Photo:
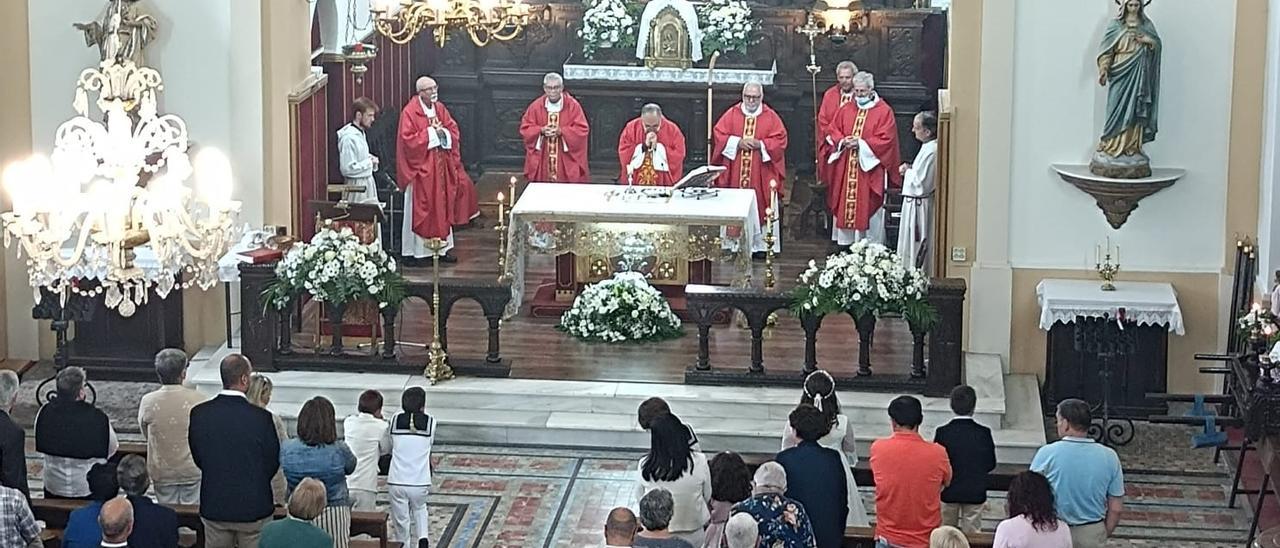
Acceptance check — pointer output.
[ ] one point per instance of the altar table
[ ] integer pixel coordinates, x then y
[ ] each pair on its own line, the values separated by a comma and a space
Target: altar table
599, 220
1151, 310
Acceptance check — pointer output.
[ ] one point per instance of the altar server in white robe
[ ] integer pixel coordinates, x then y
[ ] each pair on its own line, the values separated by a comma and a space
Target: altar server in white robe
354, 160
919, 180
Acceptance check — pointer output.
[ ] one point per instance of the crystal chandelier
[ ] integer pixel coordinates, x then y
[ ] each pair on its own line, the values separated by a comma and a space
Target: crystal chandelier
484, 20
110, 212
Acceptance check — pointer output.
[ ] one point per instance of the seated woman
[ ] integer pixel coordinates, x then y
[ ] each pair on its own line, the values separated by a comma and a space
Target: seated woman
730, 484
1033, 520
317, 453
655, 516
296, 530
783, 521
672, 465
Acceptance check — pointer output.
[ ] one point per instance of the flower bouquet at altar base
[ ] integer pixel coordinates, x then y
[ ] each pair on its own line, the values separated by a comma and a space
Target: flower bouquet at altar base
608, 24
867, 280
624, 308
1259, 323
336, 268
726, 25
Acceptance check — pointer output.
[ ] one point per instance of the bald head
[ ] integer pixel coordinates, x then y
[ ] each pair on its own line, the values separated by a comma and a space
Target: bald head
651, 117
620, 528
116, 520
427, 89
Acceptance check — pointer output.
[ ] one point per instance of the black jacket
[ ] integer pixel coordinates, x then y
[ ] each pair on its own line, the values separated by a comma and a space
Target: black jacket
815, 478
973, 455
234, 444
13, 455
154, 526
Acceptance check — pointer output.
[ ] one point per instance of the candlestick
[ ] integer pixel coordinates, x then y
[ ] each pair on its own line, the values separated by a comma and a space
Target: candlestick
437, 361
511, 195
501, 228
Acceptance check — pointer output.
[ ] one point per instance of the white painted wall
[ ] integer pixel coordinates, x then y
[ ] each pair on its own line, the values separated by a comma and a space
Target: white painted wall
209, 54
343, 22
1268, 193
1058, 115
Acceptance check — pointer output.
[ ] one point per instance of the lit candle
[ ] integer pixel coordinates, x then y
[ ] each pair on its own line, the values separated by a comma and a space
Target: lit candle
501, 203
773, 197
512, 194
1097, 254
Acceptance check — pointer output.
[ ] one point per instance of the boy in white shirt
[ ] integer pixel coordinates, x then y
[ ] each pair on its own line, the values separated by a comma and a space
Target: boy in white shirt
409, 479
369, 438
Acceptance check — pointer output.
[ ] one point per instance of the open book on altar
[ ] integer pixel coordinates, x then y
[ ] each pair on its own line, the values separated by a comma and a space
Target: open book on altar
701, 177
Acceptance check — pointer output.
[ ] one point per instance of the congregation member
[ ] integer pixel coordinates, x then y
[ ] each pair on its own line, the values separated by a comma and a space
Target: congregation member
73, 435
730, 484
259, 394
18, 526
296, 530
13, 439
820, 391
919, 178
355, 162
409, 478
1086, 477
972, 453
164, 417
154, 526
317, 453
670, 464
620, 528
235, 446
1033, 521
751, 141
815, 476
836, 96
429, 171
910, 474
369, 437
656, 508
556, 134
654, 407
651, 149
863, 164
742, 531
82, 529
783, 522
947, 536
116, 521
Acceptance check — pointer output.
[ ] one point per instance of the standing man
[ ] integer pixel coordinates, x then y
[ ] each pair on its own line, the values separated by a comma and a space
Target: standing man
429, 171
164, 418
73, 435
234, 444
13, 445
863, 163
354, 161
555, 134
910, 474
835, 97
919, 179
751, 141
651, 149
1088, 483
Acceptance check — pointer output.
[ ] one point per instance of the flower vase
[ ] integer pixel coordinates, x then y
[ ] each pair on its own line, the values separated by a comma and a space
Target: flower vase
917, 354
336, 311
866, 325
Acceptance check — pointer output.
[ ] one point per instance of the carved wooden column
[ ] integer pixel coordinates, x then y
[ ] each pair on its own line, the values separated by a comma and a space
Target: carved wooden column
258, 322
946, 357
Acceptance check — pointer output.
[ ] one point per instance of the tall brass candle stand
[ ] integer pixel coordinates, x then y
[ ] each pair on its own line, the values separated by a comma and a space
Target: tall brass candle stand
437, 363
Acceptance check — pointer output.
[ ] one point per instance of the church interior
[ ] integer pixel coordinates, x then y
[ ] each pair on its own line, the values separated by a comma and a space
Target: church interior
547, 213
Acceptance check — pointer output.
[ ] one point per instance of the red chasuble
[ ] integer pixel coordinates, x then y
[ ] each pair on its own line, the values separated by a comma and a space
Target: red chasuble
832, 100
672, 141
855, 195
559, 159
443, 194
748, 168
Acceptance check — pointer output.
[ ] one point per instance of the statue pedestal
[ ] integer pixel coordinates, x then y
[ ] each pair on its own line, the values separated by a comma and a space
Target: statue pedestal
1117, 198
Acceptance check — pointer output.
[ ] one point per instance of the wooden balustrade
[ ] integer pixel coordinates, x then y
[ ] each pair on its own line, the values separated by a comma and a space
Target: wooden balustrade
946, 358
267, 334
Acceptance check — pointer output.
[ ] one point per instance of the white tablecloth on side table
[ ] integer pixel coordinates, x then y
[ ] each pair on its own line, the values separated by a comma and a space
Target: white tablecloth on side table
1146, 303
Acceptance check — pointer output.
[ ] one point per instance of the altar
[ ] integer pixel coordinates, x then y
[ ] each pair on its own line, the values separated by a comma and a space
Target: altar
590, 228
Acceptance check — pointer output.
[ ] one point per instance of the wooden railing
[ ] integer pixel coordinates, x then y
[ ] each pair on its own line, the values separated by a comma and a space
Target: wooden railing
267, 334
945, 356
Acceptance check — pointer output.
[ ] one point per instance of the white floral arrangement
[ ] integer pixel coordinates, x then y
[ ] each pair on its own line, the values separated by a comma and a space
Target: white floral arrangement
607, 24
869, 279
726, 25
1258, 322
624, 308
336, 268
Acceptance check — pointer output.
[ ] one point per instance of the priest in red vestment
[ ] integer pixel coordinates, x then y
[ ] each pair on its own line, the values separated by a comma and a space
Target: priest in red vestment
866, 151
751, 141
429, 171
555, 132
835, 97
651, 149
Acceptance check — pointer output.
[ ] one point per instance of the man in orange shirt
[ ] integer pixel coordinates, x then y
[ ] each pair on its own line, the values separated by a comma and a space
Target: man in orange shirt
910, 474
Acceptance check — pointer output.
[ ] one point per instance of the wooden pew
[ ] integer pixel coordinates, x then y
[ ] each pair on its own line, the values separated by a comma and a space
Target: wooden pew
865, 537
997, 480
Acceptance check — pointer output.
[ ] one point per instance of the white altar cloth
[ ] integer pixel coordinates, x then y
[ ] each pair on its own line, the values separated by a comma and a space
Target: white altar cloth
619, 73
556, 218
1146, 303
